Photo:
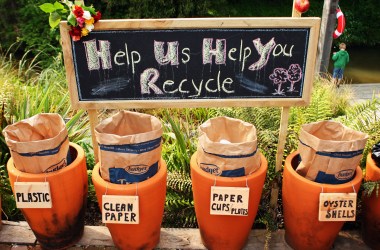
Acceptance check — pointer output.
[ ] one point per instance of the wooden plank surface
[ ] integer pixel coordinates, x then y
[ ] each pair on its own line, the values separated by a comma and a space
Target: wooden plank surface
14, 234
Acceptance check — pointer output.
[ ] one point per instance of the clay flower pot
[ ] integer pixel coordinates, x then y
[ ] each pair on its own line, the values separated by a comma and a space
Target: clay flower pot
62, 225
371, 208
151, 193
300, 198
225, 232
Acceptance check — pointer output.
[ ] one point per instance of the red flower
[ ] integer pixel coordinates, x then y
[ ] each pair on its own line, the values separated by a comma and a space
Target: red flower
97, 16
75, 33
78, 11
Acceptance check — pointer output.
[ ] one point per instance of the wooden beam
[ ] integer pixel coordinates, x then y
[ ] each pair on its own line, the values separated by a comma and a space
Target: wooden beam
282, 137
295, 12
326, 35
93, 114
99, 237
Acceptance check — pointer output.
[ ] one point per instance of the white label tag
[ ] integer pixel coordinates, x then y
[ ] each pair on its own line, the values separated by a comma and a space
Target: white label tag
337, 206
120, 209
32, 195
229, 201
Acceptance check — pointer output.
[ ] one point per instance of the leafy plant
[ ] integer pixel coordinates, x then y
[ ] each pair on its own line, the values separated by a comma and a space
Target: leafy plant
370, 186
24, 97
177, 150
364, 117
56, 12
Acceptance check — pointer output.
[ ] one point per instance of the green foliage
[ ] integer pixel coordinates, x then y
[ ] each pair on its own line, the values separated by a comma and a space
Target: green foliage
370, 186
24, 96
364, 117
179, 205
362, 22
56, 11
178, 146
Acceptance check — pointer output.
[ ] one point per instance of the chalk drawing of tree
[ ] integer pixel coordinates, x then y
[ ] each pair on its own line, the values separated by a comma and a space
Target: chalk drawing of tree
294, 75
279, 76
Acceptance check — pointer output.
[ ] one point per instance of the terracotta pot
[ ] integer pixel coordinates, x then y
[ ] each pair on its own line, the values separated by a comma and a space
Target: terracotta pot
223, 231
152, 194
62, 225
371, 208
300, 198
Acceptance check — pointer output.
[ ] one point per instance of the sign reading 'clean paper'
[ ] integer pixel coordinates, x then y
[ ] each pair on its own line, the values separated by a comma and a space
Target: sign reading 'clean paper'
120, 209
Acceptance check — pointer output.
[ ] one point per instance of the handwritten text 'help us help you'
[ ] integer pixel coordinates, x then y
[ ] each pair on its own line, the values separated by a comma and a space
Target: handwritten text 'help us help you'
214, 51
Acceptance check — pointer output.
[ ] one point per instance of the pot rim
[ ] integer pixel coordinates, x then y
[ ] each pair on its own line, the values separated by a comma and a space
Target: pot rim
336, 187
80, 155
96, 178
371, 166
260, 171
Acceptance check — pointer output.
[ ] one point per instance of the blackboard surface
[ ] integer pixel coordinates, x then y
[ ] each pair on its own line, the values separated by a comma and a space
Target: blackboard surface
192, 64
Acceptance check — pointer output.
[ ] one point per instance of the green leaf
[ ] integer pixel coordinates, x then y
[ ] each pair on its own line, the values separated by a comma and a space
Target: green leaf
47, 7
54, 19
58, 6
90, 9
72, 20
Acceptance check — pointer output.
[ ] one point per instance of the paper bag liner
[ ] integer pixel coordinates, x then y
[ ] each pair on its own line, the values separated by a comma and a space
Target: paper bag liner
38, 144
129, 142
329, 151
228, 147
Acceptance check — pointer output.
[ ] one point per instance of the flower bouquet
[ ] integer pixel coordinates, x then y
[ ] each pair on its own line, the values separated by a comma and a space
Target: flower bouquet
80, 18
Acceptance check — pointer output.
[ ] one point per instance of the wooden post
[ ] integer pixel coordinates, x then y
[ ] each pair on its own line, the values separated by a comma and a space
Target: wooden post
281, 142
295, 13
326, 35
282, 137
93, 114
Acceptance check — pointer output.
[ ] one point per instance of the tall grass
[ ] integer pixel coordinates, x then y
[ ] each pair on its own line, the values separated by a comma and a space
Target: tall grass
26, 91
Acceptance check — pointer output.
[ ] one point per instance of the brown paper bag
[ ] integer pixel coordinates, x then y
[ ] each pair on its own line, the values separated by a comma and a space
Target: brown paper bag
329, 151
228, 147
130, 147
38, 144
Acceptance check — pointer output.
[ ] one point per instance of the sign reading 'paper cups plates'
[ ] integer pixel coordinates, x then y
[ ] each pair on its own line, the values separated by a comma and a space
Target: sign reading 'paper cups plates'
229, 201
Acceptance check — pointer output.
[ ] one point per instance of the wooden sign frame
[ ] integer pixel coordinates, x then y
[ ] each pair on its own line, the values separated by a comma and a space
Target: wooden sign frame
198, 23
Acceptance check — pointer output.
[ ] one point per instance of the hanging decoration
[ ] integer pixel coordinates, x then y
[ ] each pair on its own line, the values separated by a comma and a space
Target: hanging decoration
341, 23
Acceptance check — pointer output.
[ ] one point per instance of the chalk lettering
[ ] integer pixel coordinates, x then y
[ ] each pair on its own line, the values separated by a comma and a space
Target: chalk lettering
198, 90
148, 79
169, 83
246, 54
186, 52
219, 52
171, 55
264, 52
94, 56
282, 50
230, 52
135, 59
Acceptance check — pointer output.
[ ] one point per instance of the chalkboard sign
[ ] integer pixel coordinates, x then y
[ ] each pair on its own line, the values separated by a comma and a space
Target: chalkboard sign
192, 63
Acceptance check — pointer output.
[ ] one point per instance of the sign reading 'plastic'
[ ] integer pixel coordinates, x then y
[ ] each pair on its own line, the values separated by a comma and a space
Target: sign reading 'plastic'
32, 195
